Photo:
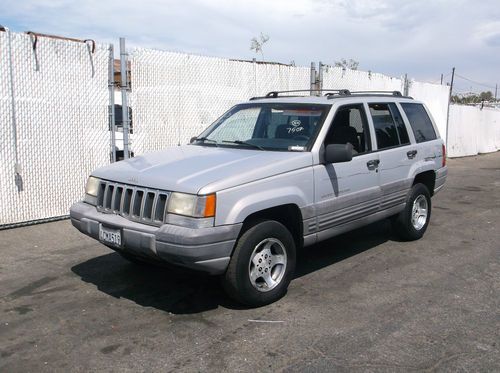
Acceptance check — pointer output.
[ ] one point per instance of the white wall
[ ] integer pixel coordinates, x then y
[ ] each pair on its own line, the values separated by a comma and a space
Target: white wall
473, 130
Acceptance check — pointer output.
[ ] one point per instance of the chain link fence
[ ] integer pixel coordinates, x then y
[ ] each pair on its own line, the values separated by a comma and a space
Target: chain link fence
53, 123
54, 120
175, 96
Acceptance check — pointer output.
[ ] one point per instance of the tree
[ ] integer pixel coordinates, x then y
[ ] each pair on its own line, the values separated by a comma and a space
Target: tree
472, 98
256, 44
486, 96
345, 64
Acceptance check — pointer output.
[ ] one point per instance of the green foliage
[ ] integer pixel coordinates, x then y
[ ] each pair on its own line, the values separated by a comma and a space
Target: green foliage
472, 98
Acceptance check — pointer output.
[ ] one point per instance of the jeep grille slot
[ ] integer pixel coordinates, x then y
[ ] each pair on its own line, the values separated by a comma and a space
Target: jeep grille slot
137, 204
161, 205
143, 205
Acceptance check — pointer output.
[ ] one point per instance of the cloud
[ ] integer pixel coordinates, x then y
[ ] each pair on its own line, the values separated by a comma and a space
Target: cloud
421, 38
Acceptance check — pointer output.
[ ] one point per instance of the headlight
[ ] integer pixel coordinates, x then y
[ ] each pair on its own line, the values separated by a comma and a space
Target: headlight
92, 186
192, 205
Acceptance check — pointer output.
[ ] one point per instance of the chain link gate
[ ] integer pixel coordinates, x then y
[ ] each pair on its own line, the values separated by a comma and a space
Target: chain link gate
53, 123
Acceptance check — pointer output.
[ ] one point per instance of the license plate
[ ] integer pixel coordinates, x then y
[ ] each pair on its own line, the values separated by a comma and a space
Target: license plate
110, 236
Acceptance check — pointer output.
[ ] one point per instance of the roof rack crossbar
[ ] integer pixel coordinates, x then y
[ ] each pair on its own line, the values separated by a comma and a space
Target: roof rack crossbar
332, 93
394, 93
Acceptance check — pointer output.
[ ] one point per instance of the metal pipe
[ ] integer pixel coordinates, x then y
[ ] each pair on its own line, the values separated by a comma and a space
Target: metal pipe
123, 88
17, 167
111, 108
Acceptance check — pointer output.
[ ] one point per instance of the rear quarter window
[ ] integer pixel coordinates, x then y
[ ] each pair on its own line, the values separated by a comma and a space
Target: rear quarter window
420, 122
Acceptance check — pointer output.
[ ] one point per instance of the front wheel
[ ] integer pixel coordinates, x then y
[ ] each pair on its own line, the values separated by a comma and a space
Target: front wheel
411, 223
262, 264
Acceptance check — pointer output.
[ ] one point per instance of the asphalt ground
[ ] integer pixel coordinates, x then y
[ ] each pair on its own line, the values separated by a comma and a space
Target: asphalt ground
363, 301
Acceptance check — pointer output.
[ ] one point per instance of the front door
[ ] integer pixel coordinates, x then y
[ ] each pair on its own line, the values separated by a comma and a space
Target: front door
347, 191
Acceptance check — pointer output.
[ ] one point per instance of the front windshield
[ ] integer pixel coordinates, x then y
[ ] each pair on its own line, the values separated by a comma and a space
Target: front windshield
269, 126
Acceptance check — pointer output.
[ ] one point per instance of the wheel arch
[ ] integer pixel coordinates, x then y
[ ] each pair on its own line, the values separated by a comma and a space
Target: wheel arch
287, 214
428, 178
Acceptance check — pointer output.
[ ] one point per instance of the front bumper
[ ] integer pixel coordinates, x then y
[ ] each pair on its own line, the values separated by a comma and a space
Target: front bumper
204, 249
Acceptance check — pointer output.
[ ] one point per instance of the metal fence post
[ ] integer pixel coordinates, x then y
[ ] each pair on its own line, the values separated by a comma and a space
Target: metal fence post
111, 108
449, 103
313, 79
124, 87
320, 77
406, 86
17, 167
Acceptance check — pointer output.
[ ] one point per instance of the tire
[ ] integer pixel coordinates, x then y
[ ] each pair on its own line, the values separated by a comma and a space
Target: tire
264, 279
406, 224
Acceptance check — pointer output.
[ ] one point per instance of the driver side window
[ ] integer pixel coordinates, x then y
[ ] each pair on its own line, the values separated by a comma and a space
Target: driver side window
350, 126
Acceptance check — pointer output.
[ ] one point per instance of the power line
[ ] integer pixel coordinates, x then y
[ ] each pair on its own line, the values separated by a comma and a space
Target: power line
473, 81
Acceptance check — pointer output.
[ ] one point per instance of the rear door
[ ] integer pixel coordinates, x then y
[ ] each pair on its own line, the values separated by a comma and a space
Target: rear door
428, 145
395, 151
347, 191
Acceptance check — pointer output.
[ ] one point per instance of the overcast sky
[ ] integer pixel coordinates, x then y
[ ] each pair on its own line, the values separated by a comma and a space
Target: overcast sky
421, 38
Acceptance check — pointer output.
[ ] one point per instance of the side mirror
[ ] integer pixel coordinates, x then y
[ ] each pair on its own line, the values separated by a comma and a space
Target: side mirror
335, 153
193, 139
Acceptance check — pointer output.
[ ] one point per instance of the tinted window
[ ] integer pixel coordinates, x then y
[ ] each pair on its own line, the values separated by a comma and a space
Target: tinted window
420, 122
350, 126
385, 127
400, 124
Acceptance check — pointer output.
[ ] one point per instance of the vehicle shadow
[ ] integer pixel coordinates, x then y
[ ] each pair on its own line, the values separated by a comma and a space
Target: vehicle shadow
185, 292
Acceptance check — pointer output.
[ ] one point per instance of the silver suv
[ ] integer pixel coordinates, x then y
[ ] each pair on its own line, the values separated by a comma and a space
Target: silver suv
271, 175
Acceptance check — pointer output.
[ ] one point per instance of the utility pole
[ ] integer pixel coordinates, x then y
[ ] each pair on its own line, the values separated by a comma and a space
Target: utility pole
449, 102
441, 78
496, 89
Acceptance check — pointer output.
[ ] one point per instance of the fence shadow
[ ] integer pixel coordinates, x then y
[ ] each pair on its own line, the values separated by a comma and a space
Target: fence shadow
185, 292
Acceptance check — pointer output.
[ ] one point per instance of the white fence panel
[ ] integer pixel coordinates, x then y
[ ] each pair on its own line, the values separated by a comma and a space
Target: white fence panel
473, 130
355, 80
62, 124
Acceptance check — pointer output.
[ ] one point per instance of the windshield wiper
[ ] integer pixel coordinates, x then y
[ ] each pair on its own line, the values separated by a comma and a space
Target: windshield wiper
203, 139
239, 142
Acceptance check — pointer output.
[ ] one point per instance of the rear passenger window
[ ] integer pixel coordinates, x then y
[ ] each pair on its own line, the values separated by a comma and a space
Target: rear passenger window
390, 129
420, 122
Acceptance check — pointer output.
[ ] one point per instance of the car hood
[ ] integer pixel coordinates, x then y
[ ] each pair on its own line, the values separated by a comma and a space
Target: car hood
191, 168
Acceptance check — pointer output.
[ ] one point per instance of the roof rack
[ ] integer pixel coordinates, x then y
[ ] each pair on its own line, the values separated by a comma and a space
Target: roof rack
333, 93
275, 94
371, 93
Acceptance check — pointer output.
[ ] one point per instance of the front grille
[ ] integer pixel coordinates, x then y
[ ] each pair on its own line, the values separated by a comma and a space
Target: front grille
143, 205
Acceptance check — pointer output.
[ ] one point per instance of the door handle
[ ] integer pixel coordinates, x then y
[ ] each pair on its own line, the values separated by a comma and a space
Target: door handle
411, 154
373, 164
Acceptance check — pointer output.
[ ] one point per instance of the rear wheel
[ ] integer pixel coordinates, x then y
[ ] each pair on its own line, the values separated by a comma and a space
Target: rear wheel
412, 222
262, 264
